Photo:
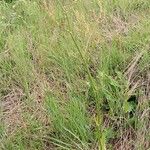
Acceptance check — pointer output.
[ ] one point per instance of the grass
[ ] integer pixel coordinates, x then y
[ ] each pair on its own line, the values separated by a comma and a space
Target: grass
74, 75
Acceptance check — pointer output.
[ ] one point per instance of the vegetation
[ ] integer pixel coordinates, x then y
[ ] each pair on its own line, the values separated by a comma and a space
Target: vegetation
75, 75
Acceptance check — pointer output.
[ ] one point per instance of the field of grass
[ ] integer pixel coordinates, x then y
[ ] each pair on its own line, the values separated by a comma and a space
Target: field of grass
75, 75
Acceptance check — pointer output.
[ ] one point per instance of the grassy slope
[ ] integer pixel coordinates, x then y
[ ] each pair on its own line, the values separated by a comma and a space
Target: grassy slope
74, 74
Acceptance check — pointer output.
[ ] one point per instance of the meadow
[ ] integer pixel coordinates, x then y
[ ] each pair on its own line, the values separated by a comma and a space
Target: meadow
75, 75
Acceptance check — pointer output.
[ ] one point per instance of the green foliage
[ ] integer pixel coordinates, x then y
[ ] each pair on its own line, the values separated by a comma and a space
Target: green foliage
74, 74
